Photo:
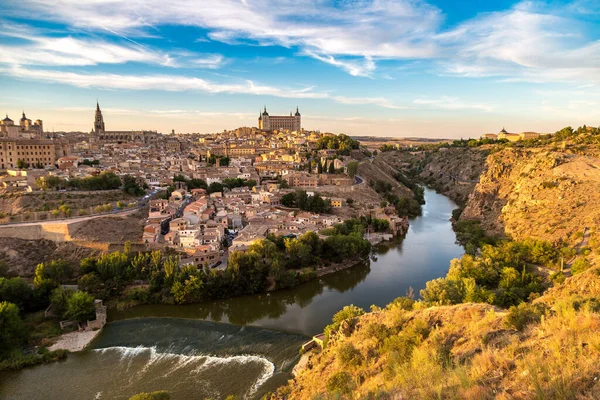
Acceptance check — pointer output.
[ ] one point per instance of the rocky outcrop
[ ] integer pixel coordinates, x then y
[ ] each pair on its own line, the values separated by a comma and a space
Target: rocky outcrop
453, 172
539, 193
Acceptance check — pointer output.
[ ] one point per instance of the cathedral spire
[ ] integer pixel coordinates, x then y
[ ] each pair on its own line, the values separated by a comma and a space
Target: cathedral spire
98, 120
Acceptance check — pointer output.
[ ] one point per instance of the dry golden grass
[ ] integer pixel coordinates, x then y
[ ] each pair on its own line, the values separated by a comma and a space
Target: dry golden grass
467, 352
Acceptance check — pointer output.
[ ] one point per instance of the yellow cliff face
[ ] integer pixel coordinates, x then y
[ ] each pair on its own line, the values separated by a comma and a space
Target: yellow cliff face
466, 351
540, 193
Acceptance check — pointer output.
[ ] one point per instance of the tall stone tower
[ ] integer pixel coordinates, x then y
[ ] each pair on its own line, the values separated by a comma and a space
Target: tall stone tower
263, 121
297, 117
98, 120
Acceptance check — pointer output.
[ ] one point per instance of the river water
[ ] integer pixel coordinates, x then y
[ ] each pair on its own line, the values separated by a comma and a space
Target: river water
243, 346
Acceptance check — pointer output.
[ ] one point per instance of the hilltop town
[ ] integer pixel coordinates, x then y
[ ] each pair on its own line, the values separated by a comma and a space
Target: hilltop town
203, 196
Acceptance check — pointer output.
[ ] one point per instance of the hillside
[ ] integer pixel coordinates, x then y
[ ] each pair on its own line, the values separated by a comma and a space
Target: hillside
465, 351
375, 170
16, 203
541, 193
550, 191
457, 342
22, 256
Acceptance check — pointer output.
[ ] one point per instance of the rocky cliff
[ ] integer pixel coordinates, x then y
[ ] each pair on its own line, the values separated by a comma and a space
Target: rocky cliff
453, 172
537, 192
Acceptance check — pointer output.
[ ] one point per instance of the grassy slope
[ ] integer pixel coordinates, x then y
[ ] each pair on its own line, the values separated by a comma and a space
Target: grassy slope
466, 351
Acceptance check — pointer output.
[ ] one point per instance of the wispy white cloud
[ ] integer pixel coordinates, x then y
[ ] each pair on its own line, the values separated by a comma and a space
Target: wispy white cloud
180, 113
177, 83
53, 50
328, 31
530, 42
452, 103
363, 67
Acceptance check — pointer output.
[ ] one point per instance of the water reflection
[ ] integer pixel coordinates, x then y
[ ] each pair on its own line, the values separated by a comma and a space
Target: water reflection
424, 254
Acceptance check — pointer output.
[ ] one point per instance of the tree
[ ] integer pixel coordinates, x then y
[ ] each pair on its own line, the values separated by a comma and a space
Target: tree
352, 168
131, 186
331, 167
299, 253
60, 299
57, 271
215, 187
4, 272
170, 265
21, 164
12, 329
288, 200
319, 167
196, 184
92, 284
80, 306
224, 161
16, 291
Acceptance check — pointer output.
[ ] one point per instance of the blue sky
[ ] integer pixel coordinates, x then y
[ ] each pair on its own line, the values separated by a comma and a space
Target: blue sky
441, 68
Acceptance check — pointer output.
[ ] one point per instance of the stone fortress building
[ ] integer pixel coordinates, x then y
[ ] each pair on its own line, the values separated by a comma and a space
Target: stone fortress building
268, 122
100, 135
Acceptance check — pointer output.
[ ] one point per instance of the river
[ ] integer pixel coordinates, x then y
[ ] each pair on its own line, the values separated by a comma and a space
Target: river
246, 345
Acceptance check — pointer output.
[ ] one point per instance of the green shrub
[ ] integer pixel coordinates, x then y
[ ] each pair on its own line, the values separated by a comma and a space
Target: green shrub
593, 304
348, 312
580, 265
340, 383
158, 395
399, 348
349, 355
404, 302
18, 360
558, 277
456, 213
548, 184
378, 331
520, 316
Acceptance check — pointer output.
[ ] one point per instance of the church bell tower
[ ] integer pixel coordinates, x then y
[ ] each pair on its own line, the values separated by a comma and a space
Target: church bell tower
98, 120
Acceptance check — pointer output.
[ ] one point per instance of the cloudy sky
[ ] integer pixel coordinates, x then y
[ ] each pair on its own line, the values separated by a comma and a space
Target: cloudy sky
441, 68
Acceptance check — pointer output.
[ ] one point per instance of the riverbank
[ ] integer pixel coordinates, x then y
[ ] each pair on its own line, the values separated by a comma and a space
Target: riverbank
260, 324
74, 341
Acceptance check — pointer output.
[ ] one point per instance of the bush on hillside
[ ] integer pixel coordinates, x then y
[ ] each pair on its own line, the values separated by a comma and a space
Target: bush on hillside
580, 265
349, 355
520, 316
340, 383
